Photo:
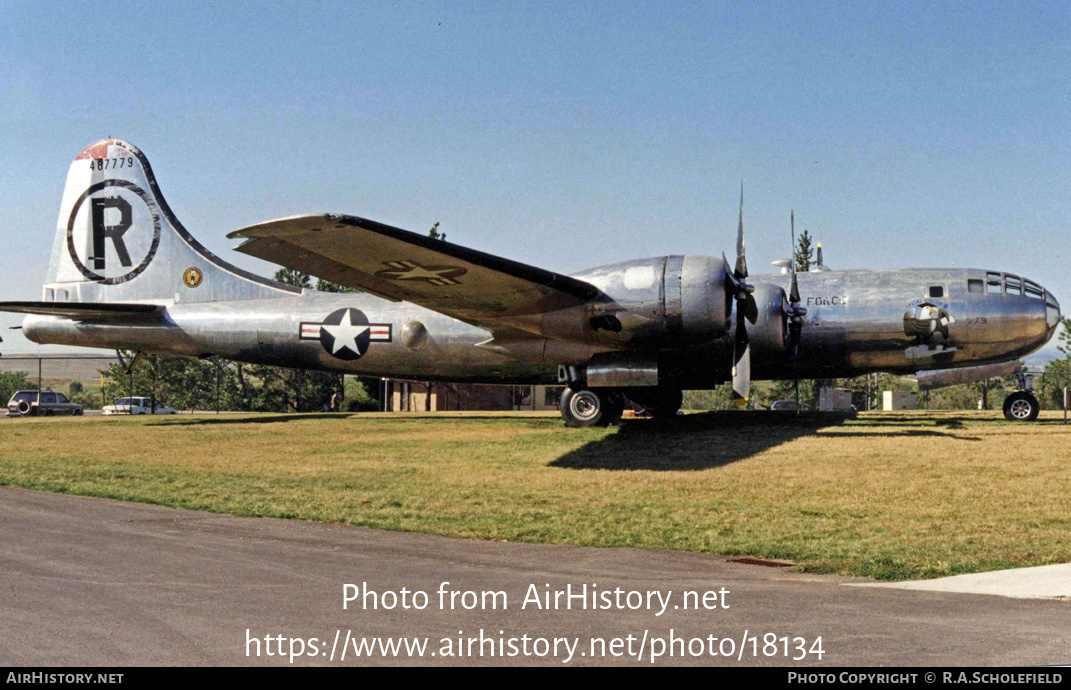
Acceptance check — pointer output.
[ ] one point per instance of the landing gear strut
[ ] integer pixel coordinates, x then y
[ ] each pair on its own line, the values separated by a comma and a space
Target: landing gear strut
1022, 406
588, 407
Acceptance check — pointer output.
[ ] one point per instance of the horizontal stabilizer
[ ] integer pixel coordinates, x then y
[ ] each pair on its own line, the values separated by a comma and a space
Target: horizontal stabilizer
82, 311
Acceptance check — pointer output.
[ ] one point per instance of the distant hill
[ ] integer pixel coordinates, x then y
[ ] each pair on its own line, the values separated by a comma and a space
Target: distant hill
65, 367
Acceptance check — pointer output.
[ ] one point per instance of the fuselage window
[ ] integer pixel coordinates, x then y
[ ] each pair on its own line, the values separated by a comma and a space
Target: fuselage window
937, 291
1034, 290
993, 284
975, 285
1012, 285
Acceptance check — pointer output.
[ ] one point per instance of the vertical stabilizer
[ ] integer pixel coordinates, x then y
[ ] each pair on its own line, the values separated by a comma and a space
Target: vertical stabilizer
118, 241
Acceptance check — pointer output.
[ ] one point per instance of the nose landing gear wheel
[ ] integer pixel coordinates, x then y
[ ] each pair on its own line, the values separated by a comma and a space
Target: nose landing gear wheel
1021, 407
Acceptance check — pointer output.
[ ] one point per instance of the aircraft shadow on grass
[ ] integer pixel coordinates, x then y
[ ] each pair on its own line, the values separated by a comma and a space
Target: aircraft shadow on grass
693, 442
714, 439
688, 442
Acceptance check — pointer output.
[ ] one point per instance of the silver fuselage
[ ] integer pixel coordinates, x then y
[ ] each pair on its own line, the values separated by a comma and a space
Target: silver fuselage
855, 324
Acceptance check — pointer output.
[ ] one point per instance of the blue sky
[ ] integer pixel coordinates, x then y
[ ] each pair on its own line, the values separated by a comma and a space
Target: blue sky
564, 135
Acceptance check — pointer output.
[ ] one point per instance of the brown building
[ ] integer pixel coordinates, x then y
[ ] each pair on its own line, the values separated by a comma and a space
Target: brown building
410, 396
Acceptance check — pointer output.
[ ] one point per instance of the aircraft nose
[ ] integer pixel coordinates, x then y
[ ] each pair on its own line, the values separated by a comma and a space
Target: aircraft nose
1052, 311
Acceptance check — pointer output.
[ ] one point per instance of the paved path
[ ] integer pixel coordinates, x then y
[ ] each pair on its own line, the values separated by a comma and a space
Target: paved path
1042, 582
90, 581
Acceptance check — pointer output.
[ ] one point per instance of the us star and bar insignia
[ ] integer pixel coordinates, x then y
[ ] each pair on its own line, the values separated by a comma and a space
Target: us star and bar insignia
411, 270
346, 333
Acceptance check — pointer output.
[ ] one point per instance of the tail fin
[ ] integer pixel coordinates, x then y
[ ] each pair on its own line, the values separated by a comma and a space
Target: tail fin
118, 241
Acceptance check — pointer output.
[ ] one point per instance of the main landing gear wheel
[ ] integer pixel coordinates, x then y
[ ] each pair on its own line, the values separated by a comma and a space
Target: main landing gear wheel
1021, 407
586, 407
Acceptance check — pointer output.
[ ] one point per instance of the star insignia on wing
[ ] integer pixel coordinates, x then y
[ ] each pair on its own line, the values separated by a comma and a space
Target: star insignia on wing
411, 270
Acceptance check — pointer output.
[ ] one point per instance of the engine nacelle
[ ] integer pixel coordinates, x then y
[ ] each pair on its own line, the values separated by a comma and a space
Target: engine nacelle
698, 307
661, 302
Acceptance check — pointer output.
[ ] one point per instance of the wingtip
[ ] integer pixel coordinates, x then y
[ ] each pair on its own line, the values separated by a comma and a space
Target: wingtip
291, 225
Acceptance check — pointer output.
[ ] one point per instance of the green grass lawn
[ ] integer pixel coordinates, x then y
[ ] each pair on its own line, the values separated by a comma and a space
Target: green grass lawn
886, 495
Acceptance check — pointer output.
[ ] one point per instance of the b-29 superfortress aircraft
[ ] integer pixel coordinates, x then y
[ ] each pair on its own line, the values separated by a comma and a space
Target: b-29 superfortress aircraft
125, 274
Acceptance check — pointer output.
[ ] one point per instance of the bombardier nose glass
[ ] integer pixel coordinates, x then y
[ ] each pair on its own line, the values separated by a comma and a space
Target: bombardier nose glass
1052, 310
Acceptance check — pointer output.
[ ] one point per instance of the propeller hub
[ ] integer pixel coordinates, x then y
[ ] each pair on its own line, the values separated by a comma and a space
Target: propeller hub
743, 290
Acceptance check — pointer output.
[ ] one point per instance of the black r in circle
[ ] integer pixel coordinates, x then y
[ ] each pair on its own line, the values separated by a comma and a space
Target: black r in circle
115, 234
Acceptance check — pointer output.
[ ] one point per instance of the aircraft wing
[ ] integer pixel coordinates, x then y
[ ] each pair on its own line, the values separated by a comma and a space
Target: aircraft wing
82, 311
466, 284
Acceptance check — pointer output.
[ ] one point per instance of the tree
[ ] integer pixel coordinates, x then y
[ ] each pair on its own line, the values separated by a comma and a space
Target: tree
719, 398
964, 396
181, 382
1065, 337
278, 389
327, 286
11, 381
785, 389
293, 277
435, 234
1057, 372
359, 397
804, 255
76, 391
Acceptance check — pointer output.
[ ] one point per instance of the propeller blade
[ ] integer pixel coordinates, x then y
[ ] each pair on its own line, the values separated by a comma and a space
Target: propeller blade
794, 311
748, 306
794, 293
741, 261
746, 310
734, 284
741, 361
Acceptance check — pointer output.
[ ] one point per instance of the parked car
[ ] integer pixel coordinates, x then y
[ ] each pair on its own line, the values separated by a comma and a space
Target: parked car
784, 405
46, 403
137, 406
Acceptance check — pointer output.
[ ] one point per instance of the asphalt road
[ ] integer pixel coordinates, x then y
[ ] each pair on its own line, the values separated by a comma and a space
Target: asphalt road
95, 582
